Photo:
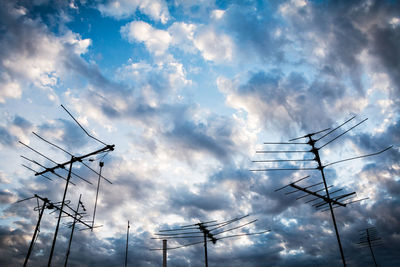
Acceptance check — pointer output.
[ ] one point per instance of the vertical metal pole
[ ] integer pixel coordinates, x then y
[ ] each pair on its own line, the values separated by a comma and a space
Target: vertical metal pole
101, 164
35, 233
164, 253
72, 232
370, 247
126, 252
205, 249
317, 158
59, 216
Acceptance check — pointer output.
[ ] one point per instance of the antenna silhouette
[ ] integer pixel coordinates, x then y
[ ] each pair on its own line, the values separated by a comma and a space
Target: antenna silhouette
77, 215
329, 200
47, 204
369, 238
63, 166
208, 231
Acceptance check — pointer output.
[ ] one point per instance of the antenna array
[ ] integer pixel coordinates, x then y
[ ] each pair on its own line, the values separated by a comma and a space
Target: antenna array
369, 238
329, 200
209, 231
55, 170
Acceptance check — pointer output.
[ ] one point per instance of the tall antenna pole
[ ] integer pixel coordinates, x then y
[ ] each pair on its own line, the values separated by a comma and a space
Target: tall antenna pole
314, 150
101, 164
35, 233
72, 231
61, 211
127, 239
165, 253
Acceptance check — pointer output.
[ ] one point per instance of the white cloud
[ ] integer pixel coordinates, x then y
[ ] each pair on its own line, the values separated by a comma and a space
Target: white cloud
183, 35
214, 46
155, 9
9, 89
217, 13
156, 41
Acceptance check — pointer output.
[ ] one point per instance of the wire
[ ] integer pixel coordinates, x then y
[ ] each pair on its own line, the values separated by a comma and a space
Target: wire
82, 127
358, 157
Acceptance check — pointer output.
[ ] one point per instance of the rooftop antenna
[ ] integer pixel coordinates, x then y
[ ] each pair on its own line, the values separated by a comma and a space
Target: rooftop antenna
369, 238
207, 231
327, 198
107, 148
47, 204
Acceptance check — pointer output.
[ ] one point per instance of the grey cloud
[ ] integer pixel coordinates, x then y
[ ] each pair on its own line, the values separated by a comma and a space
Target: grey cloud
7, 138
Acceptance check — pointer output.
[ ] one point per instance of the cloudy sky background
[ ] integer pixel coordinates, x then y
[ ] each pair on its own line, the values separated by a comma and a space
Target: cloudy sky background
188, 91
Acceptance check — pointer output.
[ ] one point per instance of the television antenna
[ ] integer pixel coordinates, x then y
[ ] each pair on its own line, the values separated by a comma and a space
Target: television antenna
311, 141
63, 166
207, 231
369, 238
47, 204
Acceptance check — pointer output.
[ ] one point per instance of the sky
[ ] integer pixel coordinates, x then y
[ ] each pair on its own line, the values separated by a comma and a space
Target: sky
188, 91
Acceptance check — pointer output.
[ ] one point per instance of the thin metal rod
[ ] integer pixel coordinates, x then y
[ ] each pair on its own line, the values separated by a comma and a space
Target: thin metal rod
351, 128
292, 183
282, 151
283, 143
237, 227
335, 129
35, 233
309, 135
359, 157
101, 164
230, 236
61, 211
72, 232
127, 240
35, 172
282, 160
285, 169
